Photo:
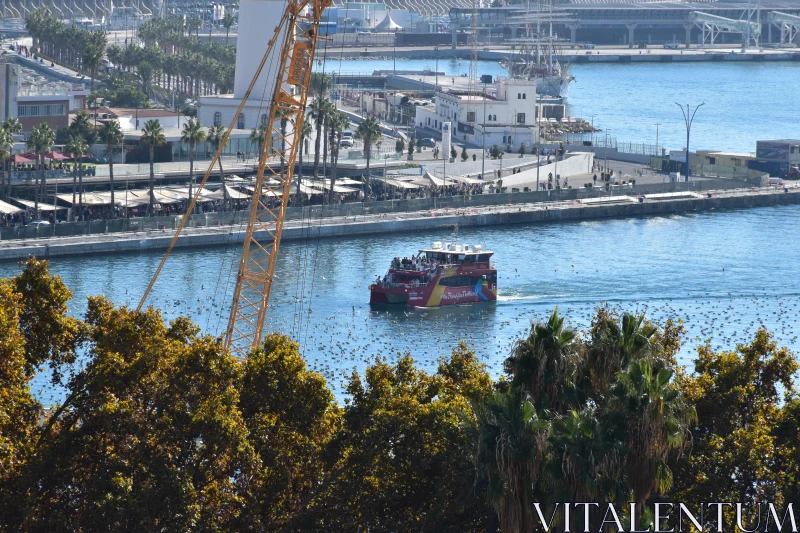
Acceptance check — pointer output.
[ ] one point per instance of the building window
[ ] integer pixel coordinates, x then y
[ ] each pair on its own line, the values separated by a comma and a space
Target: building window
240, 121
429, 121
264, 119
41, 110
519, 96
218, 119
520, 118
470, 116
524, 96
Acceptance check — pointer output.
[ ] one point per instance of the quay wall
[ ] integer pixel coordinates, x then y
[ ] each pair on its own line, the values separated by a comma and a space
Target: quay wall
525, 214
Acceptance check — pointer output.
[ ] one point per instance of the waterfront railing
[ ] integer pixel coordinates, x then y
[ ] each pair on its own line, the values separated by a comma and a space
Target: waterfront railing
311, 216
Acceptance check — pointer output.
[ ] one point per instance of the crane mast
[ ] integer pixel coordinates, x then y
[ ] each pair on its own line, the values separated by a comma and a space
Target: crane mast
297, 36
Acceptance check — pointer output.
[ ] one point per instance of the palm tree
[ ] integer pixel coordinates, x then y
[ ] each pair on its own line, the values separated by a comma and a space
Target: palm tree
192, 134
227, 22
583, 462
11, 125
510, 441
6, 144
614, 347
41, 141
111, 135
114, 54
145, 73
339, 123
152, 136
658, 418
544, 364
319, 110
258, 136
77, 147
215, 138
369, 131
305, 132
82, 125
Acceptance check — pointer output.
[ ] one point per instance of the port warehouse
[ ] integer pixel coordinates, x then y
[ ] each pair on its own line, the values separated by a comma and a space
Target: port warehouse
623, 22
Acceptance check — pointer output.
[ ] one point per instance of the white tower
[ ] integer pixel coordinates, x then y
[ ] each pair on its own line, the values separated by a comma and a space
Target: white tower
257, 22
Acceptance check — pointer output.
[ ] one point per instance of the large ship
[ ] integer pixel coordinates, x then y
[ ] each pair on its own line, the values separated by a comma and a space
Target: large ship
444, 274
552, 79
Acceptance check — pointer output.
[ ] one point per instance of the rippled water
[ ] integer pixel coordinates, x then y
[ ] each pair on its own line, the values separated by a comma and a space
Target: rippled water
724, 273
745, 102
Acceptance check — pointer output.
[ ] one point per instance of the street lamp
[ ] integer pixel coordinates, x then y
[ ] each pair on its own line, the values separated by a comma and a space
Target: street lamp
483, 135
437, 68
658, 153
688, 119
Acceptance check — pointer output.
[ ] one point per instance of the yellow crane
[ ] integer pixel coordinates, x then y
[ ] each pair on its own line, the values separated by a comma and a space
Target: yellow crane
296, 35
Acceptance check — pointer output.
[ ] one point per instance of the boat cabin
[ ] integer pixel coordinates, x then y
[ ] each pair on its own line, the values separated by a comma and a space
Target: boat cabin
457, 254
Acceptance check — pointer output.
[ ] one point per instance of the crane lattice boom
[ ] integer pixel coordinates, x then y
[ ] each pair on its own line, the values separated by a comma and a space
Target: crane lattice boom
297, 36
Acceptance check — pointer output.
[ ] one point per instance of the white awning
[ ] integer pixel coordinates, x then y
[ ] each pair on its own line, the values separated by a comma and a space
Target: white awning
8, 209
42, 207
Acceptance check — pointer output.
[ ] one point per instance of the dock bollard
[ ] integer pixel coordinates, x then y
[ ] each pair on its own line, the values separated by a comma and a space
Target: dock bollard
786, 189
708, 195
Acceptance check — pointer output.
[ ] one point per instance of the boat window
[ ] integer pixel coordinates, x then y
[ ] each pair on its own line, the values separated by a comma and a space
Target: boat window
483, 258
470, 258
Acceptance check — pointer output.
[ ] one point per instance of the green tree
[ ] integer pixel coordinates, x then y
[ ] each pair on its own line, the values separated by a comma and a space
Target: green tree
82, 125
369, 131
658, 419
227, 22
192, 134
545, 364
6, 144
464, 154
319, 109
338, 123
216, 138
111, 135
305, 132
291, 417
12, 126
77, 147
41, 141
150, 435
736, 453
152, 136
400, 457
510, 441
399, 145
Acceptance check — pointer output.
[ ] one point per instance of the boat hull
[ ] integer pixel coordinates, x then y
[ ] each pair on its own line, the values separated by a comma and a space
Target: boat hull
436, 294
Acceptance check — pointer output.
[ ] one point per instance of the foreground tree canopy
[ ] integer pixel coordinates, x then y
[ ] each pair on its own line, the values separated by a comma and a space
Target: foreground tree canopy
162, 430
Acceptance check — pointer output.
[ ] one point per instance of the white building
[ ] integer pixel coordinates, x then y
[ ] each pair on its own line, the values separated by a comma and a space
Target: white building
504, 115
257, 22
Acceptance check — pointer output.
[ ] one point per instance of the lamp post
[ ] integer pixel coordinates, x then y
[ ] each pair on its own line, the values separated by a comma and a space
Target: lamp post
658, 153
538, 110
483, 135
688, 119
436, 73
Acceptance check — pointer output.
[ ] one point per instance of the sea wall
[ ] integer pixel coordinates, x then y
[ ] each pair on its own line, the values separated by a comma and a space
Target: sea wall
326, 228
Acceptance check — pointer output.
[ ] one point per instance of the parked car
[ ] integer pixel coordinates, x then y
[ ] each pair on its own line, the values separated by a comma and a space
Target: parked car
39, 223
427, 142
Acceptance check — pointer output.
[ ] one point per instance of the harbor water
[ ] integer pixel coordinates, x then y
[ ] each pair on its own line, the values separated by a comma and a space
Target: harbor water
744, 102
712, 270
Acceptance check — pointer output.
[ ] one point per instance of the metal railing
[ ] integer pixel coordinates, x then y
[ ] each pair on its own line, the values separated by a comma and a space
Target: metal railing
310, 216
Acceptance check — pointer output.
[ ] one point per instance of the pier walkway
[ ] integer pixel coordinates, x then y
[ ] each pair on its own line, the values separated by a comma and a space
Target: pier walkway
428, 220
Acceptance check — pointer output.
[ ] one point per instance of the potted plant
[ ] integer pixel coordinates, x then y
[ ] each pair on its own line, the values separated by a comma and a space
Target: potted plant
411, 142
453, 154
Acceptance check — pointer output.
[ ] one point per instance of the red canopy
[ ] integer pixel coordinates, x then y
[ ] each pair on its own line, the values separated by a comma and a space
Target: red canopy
17, 158
56, 156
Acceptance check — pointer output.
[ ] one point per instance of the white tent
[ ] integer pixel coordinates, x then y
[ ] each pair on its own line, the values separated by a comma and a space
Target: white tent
387, 24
